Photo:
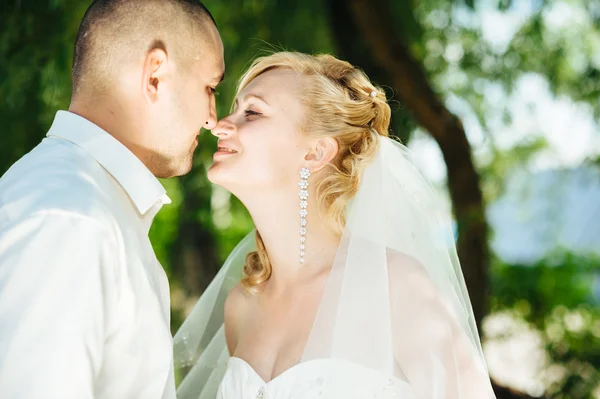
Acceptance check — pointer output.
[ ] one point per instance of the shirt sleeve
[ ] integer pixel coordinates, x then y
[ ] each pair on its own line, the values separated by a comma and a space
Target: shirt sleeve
57, 289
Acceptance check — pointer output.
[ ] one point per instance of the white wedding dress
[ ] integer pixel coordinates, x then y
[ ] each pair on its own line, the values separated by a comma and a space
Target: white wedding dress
395, 307
321, 378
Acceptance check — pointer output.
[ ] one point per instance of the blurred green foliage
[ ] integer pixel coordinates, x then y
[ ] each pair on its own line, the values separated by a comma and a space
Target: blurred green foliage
553, 295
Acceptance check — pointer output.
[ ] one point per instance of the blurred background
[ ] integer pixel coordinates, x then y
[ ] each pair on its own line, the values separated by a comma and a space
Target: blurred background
498, 99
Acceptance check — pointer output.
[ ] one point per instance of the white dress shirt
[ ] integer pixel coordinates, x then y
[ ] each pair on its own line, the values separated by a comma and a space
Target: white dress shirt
84, 303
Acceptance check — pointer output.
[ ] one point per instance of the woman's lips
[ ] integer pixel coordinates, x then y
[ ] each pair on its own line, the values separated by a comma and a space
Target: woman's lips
225, 151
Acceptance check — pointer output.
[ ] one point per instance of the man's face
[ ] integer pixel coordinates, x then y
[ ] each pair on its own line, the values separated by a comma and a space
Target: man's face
189, 106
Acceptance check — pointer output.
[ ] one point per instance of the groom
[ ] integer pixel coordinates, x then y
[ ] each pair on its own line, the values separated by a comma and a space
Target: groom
84, 304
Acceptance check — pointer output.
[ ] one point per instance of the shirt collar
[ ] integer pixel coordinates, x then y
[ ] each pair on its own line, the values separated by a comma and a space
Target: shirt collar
141, 185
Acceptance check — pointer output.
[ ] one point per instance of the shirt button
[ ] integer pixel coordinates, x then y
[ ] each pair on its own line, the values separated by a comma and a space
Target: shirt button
261, 393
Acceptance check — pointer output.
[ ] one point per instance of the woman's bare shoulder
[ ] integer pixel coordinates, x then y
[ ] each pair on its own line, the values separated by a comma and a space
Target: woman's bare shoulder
236, 306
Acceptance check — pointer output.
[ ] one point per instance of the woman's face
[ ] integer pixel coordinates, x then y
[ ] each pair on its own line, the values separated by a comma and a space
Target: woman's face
260, 144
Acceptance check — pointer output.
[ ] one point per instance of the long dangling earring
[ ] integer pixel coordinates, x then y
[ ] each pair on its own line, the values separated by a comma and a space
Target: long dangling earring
303, 183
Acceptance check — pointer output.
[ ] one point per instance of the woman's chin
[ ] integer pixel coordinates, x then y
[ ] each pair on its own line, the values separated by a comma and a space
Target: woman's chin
214, 174
218, 175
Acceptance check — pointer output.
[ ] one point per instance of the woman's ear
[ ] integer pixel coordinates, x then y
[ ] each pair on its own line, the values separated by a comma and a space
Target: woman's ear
321, 154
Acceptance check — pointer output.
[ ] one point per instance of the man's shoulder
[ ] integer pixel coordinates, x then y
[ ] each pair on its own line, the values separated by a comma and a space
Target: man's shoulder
56, 176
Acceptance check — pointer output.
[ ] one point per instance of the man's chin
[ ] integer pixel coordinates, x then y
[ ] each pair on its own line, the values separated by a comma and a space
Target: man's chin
175, 169
185, 169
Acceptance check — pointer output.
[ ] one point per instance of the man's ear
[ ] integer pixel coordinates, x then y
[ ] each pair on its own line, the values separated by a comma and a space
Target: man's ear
321, 154
155, 67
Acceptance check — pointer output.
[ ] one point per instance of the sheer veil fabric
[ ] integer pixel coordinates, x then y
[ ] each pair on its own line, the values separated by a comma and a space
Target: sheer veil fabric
395, 300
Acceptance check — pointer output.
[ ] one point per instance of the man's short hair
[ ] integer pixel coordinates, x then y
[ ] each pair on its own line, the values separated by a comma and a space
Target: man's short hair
112, 31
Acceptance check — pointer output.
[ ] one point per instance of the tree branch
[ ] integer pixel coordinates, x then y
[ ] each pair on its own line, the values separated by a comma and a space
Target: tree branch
373, 20
413, 88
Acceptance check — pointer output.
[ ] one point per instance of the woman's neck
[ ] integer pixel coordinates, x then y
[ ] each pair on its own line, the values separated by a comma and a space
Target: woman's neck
278, 222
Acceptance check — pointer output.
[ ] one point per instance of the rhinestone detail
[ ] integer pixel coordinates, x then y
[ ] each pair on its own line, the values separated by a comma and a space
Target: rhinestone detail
304, 173
303, 194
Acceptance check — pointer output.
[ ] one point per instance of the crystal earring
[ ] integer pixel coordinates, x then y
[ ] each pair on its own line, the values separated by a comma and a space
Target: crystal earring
303, 184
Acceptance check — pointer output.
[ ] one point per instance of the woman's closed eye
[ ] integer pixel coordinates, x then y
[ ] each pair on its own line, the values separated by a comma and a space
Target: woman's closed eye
250, 112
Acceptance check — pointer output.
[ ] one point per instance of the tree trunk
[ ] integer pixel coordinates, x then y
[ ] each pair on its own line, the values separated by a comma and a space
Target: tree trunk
352, 47
374, 23
355, 21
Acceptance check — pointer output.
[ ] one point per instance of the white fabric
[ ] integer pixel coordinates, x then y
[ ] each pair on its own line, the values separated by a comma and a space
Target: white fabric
395, 302
322, 378
84, 303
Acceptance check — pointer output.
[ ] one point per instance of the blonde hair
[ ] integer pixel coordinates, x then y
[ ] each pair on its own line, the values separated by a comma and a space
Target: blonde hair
339, 102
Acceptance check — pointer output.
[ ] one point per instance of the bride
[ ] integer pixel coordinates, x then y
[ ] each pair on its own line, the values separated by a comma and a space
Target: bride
350, 287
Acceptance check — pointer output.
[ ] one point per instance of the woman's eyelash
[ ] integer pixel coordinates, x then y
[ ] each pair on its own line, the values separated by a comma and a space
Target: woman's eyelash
250, 112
